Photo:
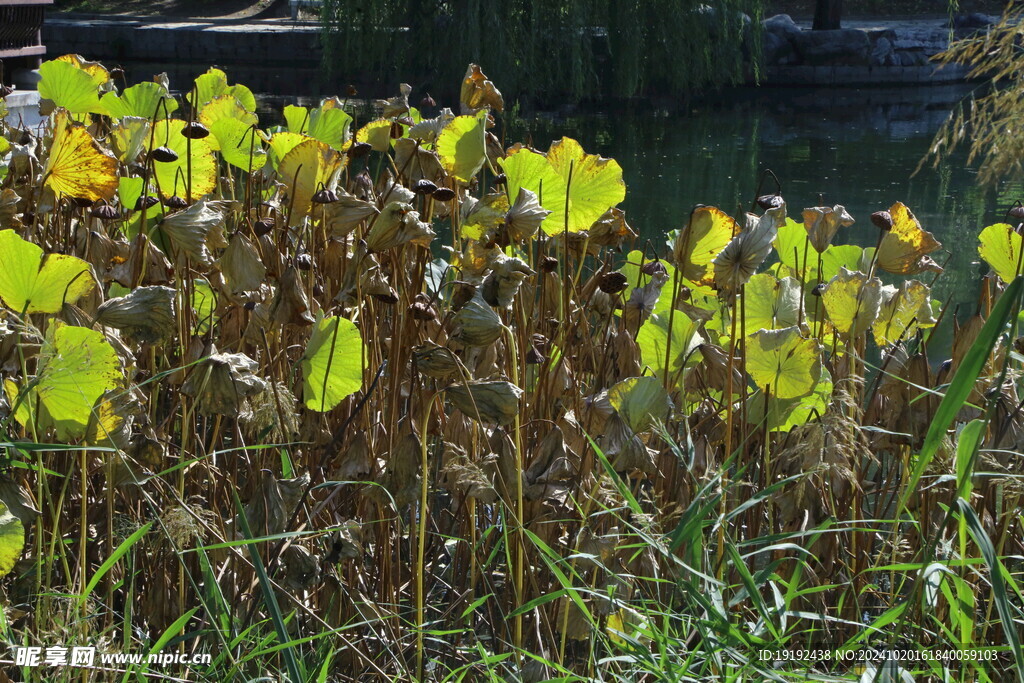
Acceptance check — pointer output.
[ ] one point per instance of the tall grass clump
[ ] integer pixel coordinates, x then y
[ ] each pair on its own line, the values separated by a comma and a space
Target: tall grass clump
376, 394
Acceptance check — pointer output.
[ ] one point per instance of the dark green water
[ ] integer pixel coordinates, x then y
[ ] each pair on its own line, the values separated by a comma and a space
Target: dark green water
851, 147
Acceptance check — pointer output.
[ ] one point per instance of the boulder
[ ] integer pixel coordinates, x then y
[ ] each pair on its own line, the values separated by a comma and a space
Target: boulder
839, 47
777, 50
781, 24
973, 21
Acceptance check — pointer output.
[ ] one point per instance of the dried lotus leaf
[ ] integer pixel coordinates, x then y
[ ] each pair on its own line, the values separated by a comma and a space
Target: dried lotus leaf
145, 314
494, 402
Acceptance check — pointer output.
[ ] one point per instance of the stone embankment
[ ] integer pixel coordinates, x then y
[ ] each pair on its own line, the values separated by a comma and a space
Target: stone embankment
864, 52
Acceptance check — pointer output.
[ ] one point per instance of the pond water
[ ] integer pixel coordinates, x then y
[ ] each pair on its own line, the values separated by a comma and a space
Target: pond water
852, 147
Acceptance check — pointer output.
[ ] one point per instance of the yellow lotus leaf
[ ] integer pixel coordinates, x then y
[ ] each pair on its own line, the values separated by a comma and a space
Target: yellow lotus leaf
461, 146
784, 361
704, 237
903, 310
129, 137
852, 301
282, 143
1000, 248
485, 216
904, 249
224, 107
308, 165
34, 282
771, 304
478, 92
97, 72
822, 223
171, 175
577, 188
377, 134
76, 166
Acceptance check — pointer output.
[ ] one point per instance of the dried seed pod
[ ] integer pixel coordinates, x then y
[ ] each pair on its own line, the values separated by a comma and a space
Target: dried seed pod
396, 131
359, 149
262, 226
613, 283
549, 264
819, 289
325, 196
303, 262
5, 90
105, 212
422, 311
655, 267
351, 91
424, 186
444, 194
195, 131
146, 203
427, 102
500, 180
882, 220
117, 72
164, 154
81, 202
1016, 213
175, 202
769, 201
534, 356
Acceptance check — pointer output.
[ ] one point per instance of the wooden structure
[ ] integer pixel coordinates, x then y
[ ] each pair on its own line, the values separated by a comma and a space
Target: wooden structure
21, 32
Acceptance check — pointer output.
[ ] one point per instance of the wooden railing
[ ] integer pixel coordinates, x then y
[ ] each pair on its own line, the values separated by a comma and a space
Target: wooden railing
21, 25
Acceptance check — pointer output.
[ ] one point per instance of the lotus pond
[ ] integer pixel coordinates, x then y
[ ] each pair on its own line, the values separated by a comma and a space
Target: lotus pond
335, 396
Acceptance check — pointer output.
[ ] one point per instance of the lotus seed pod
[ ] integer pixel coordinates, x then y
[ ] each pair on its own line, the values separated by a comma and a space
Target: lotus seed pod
882, 220
424, 186
105, 212
175, 202
444, 194
359, 149
146, 203
164, 154
769, 201
262, 226
195, 131
614, 282
325, 196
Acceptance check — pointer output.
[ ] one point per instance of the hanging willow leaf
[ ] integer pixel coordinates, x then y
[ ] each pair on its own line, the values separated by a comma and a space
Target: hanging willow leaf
332, 365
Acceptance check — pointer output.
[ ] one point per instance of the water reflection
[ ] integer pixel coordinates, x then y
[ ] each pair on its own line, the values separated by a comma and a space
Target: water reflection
852, 147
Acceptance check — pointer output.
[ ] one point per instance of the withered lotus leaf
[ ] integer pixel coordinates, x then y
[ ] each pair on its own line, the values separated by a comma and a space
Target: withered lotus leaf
494, 402
222, 383
145, 314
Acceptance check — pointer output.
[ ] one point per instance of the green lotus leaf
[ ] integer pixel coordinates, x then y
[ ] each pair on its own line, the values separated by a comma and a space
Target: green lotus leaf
282, 143
903, 310
783, 414
784, 361
128, 138
852, 301
171, 175
141, 100
12, 540
659, 340
705, 235
461, 146
204, 304
640, 401
34, 282
76, 367
577, 188
214, 83
332, 366
771, 304
69, 87
1000, 248
329, 123
236, 139
848, 256
129, 190
221, 108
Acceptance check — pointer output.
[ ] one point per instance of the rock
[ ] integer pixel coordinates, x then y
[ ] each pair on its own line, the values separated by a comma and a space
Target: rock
841, 47
777, 50
972, 21
781, 24
882, 52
